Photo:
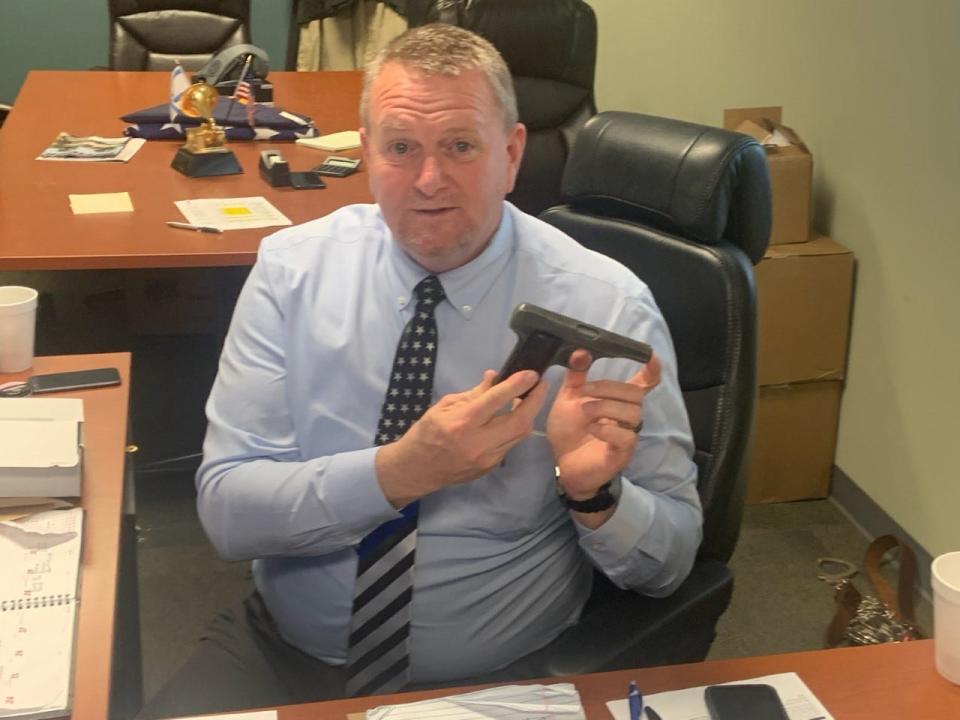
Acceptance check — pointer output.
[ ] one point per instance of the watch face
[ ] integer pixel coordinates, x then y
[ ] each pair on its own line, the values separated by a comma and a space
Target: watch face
606, 497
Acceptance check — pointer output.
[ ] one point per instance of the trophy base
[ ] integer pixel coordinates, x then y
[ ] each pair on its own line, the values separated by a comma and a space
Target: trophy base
206, 164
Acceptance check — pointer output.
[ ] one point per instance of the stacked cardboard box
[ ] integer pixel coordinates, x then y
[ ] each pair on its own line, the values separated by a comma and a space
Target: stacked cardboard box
791, 169
804, 291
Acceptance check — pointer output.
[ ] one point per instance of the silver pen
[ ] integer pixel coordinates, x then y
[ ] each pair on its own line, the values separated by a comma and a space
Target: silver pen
197, 228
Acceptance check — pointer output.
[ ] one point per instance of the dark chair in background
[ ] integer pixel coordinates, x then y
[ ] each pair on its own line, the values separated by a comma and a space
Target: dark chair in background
551, 49
154, 34
687, 208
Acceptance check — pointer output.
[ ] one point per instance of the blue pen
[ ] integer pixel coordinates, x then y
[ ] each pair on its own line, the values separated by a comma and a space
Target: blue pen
636, 701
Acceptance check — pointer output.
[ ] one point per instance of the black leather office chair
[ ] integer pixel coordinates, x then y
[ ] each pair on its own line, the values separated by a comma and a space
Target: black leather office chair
155, 34
687, 208
550, 47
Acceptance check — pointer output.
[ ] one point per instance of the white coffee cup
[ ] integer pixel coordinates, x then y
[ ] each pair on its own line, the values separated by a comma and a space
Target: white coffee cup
18, 321
945, 578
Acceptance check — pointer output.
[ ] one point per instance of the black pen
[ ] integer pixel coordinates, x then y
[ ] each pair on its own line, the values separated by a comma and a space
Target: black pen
197, 228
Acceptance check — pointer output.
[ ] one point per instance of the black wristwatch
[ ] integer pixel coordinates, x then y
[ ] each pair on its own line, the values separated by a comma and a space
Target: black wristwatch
605, 498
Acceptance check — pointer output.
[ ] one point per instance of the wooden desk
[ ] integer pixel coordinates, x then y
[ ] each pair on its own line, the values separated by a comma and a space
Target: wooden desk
39, 232
882, 682
105, 432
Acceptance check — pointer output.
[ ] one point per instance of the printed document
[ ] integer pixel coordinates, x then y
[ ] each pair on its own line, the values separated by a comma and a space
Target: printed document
232, 213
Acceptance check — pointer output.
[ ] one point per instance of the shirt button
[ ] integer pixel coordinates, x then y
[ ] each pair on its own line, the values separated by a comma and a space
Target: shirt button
467, 309
598, 546
400, 300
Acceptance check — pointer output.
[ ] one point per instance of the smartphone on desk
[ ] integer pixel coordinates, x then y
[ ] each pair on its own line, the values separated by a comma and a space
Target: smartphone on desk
307, 180
74, 380
754, 701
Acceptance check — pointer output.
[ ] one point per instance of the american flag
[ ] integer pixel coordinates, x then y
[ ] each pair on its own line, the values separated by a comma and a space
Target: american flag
244, 92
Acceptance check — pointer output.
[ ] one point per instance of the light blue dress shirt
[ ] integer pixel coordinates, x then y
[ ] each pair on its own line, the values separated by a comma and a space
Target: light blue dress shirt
288, 474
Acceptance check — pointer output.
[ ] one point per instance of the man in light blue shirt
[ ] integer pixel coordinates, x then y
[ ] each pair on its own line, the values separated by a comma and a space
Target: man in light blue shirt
291, 478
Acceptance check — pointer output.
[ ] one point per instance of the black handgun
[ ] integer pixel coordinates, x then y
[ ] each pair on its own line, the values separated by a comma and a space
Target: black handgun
546, 338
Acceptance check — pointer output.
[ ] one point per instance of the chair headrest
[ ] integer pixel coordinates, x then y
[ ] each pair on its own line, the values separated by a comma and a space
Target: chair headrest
695, 181
552, 39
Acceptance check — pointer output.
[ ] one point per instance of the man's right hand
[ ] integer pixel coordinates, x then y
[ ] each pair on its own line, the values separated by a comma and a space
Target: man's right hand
460, 438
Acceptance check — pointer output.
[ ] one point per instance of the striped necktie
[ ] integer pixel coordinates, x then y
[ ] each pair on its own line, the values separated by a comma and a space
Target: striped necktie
378, 661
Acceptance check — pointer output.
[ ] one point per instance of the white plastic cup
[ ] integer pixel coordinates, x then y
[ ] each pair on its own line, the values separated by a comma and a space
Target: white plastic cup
18, 322
945, 578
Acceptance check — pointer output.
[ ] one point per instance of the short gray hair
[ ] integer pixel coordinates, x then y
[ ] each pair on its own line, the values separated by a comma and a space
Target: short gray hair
442, 49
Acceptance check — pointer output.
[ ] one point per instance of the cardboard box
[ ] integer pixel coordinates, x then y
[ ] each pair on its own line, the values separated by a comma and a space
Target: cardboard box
794, 441
804, 292
41, 447
791, 170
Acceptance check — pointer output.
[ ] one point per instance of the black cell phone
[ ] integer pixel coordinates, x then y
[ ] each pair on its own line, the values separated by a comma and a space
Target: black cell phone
306, 180
744, 702
75, 380
546, 338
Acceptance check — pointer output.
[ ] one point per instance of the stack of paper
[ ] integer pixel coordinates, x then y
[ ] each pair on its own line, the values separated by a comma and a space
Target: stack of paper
334, 142
41, 447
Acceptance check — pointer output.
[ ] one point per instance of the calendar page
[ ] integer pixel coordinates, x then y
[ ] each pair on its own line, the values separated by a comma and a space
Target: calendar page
39, 567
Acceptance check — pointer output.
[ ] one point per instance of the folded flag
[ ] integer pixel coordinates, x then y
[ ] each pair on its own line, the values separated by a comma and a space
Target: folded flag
178, 85
270, 123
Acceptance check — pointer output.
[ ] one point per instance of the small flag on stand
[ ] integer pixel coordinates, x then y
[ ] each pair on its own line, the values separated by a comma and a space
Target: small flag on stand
178, 85
244, 92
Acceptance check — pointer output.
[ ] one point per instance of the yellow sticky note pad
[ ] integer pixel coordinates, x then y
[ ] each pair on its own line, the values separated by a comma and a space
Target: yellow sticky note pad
236, 210
100, 203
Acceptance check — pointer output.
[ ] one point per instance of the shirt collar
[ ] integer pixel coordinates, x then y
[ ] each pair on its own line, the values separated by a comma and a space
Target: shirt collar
465, 286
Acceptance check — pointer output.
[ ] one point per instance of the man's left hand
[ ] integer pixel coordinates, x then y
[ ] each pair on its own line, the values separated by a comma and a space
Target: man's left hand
593, 425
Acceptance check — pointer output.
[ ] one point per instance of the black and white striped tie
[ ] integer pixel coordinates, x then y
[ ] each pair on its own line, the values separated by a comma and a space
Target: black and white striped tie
378, 660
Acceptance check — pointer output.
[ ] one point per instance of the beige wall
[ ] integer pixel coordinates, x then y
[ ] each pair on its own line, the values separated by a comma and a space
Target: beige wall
872, 86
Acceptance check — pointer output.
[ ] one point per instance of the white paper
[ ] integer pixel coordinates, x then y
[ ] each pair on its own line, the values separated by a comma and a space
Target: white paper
55, 446
799, 702
39, 567
257, 715
39, 432
508, 702
17, 508
232, 213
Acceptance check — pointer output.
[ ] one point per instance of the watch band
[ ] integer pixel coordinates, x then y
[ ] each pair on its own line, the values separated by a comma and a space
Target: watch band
604, 499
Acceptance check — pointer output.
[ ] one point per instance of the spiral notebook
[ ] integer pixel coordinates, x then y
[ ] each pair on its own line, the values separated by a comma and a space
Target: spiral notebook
39, 569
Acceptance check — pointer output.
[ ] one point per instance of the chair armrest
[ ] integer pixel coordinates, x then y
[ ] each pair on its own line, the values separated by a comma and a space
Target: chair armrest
624, 629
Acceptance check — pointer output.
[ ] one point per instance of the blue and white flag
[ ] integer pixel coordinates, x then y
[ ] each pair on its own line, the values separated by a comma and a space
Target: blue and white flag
178, 85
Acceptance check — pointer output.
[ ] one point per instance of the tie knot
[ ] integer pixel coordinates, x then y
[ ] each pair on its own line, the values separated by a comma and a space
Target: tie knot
429, 290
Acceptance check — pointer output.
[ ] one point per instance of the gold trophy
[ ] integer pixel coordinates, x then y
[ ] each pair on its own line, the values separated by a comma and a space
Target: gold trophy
204, 153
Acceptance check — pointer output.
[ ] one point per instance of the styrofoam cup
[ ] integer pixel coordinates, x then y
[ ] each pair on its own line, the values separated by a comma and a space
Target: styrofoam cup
945, 578
18, 322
